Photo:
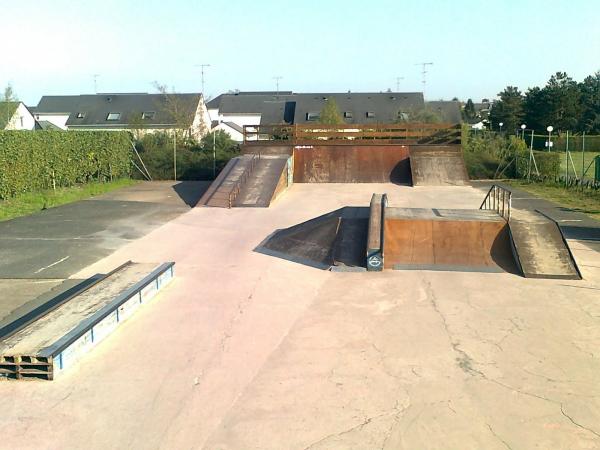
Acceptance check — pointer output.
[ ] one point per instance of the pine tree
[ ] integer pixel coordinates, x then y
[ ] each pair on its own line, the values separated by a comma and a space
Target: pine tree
330, 114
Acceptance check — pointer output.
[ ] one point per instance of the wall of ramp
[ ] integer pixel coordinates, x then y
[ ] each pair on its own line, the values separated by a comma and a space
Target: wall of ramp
351, 164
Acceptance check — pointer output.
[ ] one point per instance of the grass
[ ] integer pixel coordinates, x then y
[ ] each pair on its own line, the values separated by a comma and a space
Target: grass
577, 161
587, 202
31, 202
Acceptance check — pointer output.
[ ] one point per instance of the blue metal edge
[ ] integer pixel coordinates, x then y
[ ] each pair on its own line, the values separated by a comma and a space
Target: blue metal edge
86, 325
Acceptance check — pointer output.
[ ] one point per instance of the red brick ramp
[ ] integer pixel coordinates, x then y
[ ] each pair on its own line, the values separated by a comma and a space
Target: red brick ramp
433, 165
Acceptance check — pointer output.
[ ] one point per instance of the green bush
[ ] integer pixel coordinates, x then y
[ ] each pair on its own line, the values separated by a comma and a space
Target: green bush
194, 160
34, 161
548, 164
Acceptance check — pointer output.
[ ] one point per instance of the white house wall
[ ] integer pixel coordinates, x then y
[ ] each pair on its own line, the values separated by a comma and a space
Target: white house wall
60, 120
21, 119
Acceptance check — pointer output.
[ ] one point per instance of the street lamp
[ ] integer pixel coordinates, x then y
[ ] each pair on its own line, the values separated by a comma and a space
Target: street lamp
523, 131
500, 125
549, 130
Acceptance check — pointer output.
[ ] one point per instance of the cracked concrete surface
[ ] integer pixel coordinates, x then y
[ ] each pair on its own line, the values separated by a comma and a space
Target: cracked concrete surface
246, 351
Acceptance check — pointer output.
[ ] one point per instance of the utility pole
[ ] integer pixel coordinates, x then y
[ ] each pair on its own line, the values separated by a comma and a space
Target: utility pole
424, 73
398, 83
96, 82
202, 66
277, 78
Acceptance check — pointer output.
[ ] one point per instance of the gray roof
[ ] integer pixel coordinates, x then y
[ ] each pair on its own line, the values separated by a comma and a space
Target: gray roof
449, 111
96, 108
294, 108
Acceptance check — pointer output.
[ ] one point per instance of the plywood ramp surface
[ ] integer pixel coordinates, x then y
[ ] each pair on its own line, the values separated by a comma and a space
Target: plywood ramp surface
447, 245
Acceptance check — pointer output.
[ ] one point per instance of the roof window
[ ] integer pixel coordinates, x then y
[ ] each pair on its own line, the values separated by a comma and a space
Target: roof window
148, 115
370, 114
80, 115
313, 116
348, 114
113, 116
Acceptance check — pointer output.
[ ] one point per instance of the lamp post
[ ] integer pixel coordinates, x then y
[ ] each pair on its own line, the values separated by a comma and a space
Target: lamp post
523, 131
500, 125
549, 130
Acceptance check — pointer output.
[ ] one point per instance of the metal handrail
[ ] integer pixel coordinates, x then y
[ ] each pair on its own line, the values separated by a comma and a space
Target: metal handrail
498, 199
242, 179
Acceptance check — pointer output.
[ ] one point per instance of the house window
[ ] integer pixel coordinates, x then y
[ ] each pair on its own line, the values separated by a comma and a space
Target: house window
313, 116
113, 116
21, 121
80, 115
148, 114
348, 114
370, 114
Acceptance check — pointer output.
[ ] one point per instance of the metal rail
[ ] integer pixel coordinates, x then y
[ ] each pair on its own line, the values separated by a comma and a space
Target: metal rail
242, 179
498, 199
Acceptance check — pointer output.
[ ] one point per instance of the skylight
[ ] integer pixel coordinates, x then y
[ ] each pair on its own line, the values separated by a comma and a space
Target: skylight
113, 116
148, 114
80, 115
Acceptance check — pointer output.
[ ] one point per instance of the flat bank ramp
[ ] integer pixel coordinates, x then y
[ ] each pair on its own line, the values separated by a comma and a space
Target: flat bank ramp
218, 194
446, 239
267, 180
438, 166
539, 247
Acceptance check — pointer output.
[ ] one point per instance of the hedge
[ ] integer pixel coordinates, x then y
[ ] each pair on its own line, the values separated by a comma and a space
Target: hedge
33, 161
548, 164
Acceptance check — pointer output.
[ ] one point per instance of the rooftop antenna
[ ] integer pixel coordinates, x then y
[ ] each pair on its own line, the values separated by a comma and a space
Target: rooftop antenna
424, 73
398, 83
96, 75
277, 82
202, 66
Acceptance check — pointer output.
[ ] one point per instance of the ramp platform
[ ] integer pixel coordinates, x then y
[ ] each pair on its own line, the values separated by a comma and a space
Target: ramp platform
44, 346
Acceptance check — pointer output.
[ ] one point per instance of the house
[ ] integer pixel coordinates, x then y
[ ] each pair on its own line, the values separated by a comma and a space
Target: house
231, 128
256, 108
447, 111
15, 116
137, 112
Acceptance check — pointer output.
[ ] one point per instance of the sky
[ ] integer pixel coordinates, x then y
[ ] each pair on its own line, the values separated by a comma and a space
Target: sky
477, 47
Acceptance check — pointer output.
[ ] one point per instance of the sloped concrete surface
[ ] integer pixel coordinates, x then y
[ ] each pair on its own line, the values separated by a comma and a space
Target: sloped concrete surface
247, 351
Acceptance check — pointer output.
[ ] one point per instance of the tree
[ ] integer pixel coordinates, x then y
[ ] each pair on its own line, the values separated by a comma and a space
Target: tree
9, 99
469, 111
180, 111
536, 109
563, 97
330, 114
590, 104
509, 109
419, 115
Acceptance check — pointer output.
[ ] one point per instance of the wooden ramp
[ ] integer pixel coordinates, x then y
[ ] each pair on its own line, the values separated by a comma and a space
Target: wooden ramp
446, 239
540, 249
268, 179
433, 165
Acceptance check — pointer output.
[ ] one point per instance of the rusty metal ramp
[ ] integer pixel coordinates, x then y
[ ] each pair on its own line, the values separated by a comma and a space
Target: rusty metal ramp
433, 165
540, 248
334, 241
447, 239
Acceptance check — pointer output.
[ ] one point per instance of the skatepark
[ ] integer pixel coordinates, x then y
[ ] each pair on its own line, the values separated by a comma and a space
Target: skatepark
278, 331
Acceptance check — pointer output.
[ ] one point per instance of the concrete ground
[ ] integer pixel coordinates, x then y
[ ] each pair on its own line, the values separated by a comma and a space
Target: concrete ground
38, 252
245, 351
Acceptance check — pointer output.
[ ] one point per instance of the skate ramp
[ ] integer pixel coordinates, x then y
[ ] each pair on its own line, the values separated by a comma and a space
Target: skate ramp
351, 164
220, 191
539, 247
333, 241
446, 239
432, 165
267, 181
